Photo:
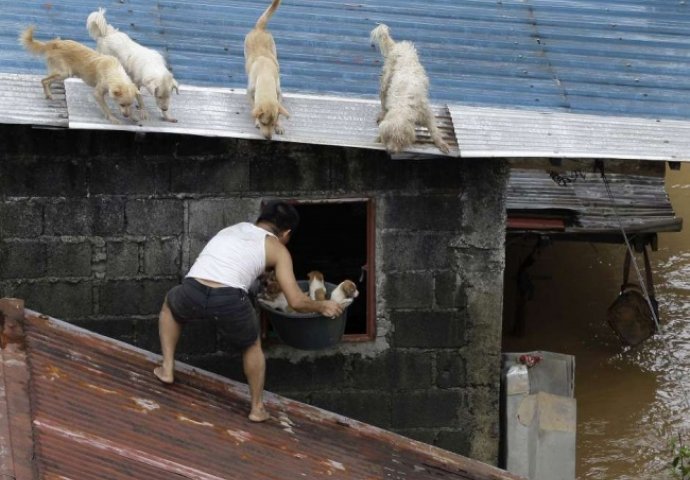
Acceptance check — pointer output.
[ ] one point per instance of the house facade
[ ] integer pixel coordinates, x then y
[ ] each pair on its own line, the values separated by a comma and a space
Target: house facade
98, 221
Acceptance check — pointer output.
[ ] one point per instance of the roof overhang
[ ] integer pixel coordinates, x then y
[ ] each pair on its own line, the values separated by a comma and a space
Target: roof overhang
471, 131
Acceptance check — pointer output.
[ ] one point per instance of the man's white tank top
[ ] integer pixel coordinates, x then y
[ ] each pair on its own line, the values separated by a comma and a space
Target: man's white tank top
235, 256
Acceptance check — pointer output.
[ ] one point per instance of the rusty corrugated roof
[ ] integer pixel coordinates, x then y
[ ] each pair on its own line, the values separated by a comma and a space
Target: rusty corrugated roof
581, 201
80, 406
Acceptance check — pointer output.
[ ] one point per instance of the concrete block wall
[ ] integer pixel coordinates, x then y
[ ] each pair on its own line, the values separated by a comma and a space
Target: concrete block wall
95, 227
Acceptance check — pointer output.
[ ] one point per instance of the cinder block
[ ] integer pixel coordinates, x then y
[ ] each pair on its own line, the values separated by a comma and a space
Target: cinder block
155, 217
223, 175
409, 290
428, 329
456, 440
449, 292
68, 259
127, 174
69, 217
423, 212
118, 328
208, 216
108, 215
122, 259
46, 175
22, 260
451, 369
423, 251
425, 409
21, 219
404, 370
133, 297
369, 407
327, 373
64, 300
162, 256
288, 168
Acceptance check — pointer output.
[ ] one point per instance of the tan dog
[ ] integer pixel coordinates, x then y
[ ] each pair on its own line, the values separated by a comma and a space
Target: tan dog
261, 64
66, 58
317, 289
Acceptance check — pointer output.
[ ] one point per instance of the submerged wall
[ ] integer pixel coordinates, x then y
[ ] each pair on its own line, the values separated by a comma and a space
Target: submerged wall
95, 227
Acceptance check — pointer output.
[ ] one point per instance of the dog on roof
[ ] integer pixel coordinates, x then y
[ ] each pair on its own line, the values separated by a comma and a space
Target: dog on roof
404, 93
67, 58
263, 71
145, 66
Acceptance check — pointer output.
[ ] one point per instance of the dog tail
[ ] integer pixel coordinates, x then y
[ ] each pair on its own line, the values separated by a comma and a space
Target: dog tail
263, 19
97, 25
34, 46
381, 36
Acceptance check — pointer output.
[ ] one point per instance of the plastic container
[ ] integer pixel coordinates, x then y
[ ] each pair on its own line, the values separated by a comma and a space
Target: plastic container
307, 331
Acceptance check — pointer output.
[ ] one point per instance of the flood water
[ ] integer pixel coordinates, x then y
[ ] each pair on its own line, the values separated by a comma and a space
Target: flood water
630, 402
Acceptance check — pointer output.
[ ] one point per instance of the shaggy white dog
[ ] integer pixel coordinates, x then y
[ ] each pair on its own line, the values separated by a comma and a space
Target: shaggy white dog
146, 67
404, 94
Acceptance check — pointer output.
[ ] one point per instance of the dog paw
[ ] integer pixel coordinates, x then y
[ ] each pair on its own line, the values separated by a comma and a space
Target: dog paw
114, 121
443, 146
279, 130
142, 114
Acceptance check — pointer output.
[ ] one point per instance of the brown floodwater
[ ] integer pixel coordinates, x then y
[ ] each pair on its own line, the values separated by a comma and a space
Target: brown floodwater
631, 402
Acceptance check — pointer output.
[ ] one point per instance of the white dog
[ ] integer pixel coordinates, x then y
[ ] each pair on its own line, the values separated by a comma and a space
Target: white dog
345, 293
404, 95
146, 67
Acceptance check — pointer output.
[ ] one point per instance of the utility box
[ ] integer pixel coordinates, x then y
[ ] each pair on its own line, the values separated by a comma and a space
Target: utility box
539, 415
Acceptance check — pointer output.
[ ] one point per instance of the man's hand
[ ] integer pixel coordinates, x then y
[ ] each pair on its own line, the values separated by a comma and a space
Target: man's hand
329, 308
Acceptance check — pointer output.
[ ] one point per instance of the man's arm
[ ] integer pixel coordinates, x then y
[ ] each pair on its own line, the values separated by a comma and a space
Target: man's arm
278, 257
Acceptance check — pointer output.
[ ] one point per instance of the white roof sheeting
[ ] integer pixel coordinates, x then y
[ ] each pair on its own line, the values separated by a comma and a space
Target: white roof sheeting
480, 132
218, 112
500, 132
22, 102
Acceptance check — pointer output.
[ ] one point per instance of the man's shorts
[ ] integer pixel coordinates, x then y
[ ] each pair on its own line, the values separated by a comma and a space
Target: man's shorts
228, 307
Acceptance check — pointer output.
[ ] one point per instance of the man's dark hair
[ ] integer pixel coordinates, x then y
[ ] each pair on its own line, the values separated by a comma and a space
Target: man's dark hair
281, 214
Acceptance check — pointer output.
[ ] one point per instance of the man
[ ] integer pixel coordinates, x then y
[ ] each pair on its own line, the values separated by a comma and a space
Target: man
216, 288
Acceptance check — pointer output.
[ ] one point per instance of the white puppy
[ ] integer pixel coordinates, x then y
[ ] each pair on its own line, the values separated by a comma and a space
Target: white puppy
146, 67
345, 293
404, 95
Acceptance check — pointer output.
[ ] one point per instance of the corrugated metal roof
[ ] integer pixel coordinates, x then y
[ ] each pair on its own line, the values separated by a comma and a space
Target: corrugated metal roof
22, 102
217, 112
351, 122
493, 132
640, 202
98, 412
610, 57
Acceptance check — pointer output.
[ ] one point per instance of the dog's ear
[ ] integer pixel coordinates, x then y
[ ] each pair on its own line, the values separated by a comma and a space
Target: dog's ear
117, 92
283, 110
256, 112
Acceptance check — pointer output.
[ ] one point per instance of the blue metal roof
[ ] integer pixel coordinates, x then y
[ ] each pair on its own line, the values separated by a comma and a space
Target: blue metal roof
610, 57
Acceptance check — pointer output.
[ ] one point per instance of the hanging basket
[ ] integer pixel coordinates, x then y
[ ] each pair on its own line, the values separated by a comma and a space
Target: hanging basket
307, 331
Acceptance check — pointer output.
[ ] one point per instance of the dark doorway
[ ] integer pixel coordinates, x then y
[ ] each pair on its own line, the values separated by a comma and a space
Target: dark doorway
333, 238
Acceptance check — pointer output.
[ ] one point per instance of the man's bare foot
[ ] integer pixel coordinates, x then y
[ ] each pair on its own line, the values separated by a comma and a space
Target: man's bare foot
165, 378
259, 415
